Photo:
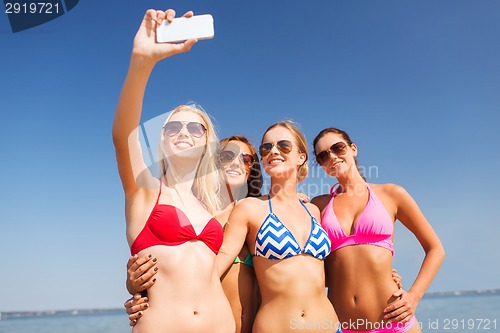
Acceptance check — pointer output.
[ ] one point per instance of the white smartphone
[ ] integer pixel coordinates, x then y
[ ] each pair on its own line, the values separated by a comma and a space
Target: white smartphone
182, 28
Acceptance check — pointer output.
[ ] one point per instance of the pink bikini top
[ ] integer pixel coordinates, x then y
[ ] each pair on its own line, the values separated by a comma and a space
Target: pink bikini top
374, 226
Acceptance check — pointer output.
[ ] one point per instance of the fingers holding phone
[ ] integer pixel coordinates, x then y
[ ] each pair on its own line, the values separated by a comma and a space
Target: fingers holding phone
146, 44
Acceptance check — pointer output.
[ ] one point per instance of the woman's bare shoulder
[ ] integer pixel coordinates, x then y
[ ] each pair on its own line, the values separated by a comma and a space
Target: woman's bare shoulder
391, 194
388, 189
250, 203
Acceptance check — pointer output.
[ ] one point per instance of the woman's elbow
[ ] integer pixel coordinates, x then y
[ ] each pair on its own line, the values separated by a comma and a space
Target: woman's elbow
439, 253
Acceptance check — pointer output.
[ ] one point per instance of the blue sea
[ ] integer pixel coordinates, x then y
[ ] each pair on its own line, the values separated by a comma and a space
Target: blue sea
469, 313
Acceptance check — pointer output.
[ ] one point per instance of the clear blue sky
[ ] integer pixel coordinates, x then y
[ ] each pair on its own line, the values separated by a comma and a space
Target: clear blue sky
416, 84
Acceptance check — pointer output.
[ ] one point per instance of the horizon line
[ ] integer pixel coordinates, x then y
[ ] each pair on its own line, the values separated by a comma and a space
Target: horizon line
75, 312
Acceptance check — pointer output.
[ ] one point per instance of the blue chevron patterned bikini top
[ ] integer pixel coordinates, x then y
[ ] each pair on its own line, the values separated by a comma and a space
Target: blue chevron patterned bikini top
275, 241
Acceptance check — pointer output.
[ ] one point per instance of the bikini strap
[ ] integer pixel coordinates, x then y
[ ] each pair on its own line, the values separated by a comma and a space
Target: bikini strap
305, 207
159, 193
371, 194
270, 205
369, 188
334, 189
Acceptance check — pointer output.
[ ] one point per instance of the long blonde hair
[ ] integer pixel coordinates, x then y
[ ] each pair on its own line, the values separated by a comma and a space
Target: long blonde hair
207, 182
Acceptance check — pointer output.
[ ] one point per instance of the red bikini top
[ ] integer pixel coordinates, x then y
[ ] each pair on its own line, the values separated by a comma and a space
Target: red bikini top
168, 225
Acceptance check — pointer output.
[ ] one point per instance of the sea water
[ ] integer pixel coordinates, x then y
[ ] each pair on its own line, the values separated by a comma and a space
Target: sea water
87, 323
472, 313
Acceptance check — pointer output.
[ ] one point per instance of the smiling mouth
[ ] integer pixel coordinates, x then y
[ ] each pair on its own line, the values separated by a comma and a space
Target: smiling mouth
275, 161
335, 164
183, 144
233, 172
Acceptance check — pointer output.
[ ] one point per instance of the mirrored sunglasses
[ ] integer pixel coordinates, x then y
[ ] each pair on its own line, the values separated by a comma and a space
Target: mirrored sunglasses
227, 156
338, 149
194, 128
284, 146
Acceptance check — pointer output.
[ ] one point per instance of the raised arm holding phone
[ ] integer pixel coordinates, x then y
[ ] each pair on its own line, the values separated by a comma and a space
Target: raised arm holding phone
171, 217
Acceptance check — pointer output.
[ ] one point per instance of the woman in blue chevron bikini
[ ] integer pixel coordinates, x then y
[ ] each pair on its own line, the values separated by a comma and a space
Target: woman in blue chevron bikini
287, 242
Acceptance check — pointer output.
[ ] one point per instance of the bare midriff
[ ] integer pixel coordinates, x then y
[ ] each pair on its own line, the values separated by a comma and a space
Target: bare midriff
293, 296
360, 284
187, 295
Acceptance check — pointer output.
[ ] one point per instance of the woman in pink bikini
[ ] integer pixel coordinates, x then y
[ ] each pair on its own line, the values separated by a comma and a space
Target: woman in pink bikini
359, 219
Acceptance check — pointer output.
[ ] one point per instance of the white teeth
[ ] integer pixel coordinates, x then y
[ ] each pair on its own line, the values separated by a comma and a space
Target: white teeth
273, 162
182, 144
233, 172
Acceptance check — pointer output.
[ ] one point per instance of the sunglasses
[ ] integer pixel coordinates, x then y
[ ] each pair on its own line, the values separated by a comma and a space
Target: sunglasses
194, 128
284, 146
339, 148
227, 156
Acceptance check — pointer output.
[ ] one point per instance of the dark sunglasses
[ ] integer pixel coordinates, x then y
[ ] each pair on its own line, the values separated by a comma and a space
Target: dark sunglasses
283, 146
194, 128
339, 148
227, 156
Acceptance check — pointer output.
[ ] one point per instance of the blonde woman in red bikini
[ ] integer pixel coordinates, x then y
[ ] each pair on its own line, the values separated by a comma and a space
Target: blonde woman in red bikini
240, 167
171, 217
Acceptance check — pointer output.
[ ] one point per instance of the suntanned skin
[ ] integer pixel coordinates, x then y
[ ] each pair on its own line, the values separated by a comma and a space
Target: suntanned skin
359, 277
292, 289
239, 283
187, 272
242, 291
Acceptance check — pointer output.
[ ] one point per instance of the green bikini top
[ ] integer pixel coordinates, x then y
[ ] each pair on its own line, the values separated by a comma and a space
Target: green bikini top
247, 261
